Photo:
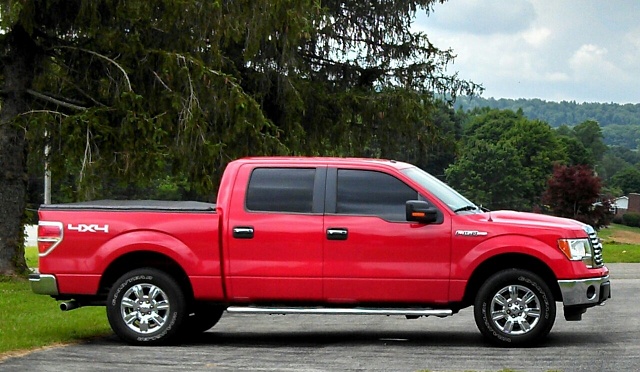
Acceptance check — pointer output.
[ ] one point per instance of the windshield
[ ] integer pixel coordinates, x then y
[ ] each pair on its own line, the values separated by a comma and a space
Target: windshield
440, 190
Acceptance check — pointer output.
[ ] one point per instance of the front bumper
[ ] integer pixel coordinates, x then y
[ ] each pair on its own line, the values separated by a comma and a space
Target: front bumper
44, 284
585, 292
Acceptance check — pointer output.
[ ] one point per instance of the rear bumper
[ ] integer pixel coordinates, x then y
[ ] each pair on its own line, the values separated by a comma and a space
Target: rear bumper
585, 292
44, 284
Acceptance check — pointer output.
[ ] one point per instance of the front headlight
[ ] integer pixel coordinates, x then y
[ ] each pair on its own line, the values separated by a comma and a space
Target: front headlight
577, 250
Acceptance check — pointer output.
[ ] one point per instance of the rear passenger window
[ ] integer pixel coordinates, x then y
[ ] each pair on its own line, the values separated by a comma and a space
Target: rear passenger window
373, 193
281, 190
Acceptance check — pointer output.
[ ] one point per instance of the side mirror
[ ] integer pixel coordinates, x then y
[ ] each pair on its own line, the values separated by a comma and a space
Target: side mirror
421, 211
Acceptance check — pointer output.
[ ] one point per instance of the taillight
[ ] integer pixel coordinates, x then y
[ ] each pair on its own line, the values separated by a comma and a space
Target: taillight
49, 236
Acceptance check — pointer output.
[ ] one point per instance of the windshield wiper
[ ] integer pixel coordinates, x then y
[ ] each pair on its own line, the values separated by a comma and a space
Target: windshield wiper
466, 208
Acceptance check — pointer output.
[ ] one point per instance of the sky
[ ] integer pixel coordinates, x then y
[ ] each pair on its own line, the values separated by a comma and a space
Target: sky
555, 50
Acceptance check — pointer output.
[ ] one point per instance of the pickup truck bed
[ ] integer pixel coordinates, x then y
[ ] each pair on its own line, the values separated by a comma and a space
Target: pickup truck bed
135, 205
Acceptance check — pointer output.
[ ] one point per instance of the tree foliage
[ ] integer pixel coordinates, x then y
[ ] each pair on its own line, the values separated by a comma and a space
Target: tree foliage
490, 174
126, 92
574, 192
628, 180
590, 134
577, 154
505, 160
562, 113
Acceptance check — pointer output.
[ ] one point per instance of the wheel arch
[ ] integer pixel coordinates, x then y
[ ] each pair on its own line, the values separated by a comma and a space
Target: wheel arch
510, 261
145, 259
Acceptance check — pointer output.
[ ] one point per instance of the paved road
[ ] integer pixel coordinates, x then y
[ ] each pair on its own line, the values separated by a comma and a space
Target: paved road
608, 339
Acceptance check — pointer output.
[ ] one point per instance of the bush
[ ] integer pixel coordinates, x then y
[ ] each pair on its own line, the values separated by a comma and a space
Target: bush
631, 219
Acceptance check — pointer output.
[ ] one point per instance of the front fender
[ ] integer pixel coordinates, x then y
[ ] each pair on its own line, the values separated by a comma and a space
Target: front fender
464, 263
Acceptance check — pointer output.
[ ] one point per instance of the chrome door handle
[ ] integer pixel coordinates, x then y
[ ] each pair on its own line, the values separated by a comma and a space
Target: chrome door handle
337, 234
243, 232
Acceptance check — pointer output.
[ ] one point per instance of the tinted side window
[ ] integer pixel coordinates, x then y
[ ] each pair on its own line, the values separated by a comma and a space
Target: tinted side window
372, 193
281, 190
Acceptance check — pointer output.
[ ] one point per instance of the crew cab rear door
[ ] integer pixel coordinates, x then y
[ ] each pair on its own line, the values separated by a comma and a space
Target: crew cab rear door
275, 234
372, 254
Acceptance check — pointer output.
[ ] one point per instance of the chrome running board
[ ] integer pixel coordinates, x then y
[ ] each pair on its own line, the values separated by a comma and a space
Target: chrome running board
339, 311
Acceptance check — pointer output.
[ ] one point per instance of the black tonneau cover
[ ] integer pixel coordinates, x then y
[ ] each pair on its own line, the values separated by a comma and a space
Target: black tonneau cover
135, 205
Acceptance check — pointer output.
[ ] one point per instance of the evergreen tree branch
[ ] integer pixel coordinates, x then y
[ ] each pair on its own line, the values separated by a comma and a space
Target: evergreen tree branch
44, 112
87, 159
124, 73
162, 82
85, 94
58, 102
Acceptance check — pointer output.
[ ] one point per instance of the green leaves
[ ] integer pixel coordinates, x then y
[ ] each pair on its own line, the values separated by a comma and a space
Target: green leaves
505, 160
10, 14
135, 90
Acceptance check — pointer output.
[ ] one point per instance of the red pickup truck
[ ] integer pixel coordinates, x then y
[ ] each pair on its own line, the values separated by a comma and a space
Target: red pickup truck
318, 236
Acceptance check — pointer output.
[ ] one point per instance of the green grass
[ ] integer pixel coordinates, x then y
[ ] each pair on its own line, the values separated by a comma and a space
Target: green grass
611, 230
616, 252
31, 255
29, 321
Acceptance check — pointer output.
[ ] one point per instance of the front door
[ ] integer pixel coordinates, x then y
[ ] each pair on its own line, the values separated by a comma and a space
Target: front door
372, 254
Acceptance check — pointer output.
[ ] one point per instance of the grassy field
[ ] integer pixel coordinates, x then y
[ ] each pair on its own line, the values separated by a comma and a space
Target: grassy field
31, 255
29, 321
621, 244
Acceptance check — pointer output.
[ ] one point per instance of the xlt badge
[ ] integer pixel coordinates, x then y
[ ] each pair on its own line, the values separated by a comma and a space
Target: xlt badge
471, 233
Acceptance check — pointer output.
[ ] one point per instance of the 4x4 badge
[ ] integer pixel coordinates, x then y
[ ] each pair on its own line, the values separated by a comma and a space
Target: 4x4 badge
81, 227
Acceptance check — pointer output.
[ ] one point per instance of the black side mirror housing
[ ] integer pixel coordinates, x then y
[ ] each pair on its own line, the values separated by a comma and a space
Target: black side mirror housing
421, 211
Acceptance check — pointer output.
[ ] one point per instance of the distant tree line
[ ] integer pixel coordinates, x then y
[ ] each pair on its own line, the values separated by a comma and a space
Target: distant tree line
620, 123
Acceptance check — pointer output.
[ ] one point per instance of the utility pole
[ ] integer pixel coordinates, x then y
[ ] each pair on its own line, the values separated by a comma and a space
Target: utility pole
47, 171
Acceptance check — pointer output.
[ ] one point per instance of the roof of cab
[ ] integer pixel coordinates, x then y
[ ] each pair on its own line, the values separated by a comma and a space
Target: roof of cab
328, 161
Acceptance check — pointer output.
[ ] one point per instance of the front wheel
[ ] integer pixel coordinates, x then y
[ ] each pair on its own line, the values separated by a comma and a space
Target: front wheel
145, 307
514, 308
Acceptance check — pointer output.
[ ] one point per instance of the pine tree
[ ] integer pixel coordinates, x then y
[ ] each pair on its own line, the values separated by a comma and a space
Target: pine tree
127, 91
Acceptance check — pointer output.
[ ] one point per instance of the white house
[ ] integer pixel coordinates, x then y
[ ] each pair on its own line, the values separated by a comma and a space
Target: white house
31, 235
621, 204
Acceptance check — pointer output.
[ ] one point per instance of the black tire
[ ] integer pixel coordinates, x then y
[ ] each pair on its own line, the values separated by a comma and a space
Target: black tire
146, 307
203, 316
514, 308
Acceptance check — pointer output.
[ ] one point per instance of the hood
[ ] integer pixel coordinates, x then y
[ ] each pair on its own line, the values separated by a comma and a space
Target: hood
531, 220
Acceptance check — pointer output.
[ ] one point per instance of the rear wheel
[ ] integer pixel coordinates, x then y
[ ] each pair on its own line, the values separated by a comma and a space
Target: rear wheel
145, 307
514, 308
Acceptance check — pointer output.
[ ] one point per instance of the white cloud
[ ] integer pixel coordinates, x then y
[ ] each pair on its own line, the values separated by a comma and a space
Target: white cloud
631, 58
556, 77
587, 51
537, 36
589, 61
485, 16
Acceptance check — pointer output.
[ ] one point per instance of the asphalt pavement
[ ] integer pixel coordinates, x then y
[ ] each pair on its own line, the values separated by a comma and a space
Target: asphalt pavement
607, 340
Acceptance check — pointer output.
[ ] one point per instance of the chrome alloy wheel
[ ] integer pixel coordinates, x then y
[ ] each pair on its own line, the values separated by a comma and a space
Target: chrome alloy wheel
145, 308
515, 310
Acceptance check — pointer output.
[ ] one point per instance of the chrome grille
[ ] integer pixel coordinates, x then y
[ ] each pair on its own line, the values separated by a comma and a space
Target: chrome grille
597, 248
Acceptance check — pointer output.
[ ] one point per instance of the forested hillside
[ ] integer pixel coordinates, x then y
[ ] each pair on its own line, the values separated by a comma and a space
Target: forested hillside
620, 123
